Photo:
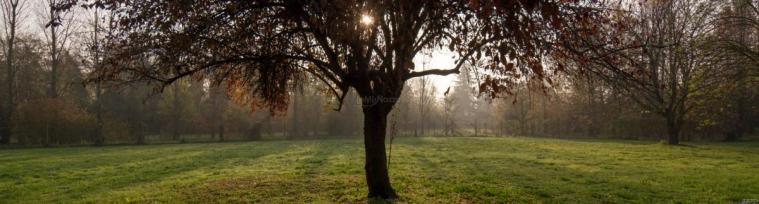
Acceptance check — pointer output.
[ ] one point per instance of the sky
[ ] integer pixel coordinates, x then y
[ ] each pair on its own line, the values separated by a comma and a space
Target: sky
438, 59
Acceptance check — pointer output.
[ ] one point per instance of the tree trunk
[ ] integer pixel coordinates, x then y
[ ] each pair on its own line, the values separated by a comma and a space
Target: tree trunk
254, 132
176, 113
221, 132
375, 124
140, 134
673, 130
7, 112
296, 133
11, 15
5, 131
53, 89
99, 138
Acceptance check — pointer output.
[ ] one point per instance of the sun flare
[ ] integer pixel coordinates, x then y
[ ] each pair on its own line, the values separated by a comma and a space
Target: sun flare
366, 19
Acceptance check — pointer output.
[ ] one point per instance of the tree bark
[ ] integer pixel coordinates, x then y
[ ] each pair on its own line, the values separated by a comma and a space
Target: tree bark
375, 124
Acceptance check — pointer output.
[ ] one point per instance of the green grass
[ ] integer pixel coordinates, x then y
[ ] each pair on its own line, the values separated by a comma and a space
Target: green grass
423, 170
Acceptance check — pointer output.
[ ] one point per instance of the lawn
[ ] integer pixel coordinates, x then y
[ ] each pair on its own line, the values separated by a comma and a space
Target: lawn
423, 170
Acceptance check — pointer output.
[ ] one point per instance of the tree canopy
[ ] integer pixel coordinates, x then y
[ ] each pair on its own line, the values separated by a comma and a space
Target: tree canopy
263, 45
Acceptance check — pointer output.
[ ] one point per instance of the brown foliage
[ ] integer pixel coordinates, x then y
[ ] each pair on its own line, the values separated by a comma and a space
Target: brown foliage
261, 46
52, 121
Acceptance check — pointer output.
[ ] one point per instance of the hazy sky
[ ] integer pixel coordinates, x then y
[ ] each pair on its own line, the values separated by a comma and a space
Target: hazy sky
439, 59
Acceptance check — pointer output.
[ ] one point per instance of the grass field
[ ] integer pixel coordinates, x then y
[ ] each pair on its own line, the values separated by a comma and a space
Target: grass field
423, 170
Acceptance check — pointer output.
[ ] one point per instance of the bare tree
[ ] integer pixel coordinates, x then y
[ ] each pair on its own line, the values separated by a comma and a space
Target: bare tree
59, 28
12, 11
94, 51
425, 91
654, 54
218, 106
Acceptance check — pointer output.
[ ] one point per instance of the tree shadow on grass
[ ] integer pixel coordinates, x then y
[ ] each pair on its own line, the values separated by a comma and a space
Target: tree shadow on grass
598, 179
274, 189
439, 172
610, 141
483, 171
511, 179
77, 182
316, 177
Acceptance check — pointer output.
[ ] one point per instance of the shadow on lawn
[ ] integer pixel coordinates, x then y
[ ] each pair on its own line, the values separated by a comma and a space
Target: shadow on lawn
555, 174
609, 141
432, 170
106, 173
316, 178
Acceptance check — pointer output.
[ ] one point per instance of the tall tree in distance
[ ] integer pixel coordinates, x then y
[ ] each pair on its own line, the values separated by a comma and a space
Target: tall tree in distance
449, 103
653, 52
464, 109
425, 93
176, 112
219, 104
92, 41
367, 46
59, 24
11, 16
738, 26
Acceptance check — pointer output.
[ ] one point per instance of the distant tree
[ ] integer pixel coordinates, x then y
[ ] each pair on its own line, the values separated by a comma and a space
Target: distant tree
219, 104
34, 119
296, 126
653, 52
92, 39
363, 45
31, 75
737, 29
464, 109
58, 28
425, 95
59, 24
11, 16
131, 105
449, 103
176, 112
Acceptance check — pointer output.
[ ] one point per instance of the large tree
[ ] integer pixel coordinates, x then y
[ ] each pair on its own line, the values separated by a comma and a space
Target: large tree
365, 45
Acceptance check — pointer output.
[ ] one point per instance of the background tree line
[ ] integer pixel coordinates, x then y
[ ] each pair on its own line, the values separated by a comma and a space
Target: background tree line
680, 69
